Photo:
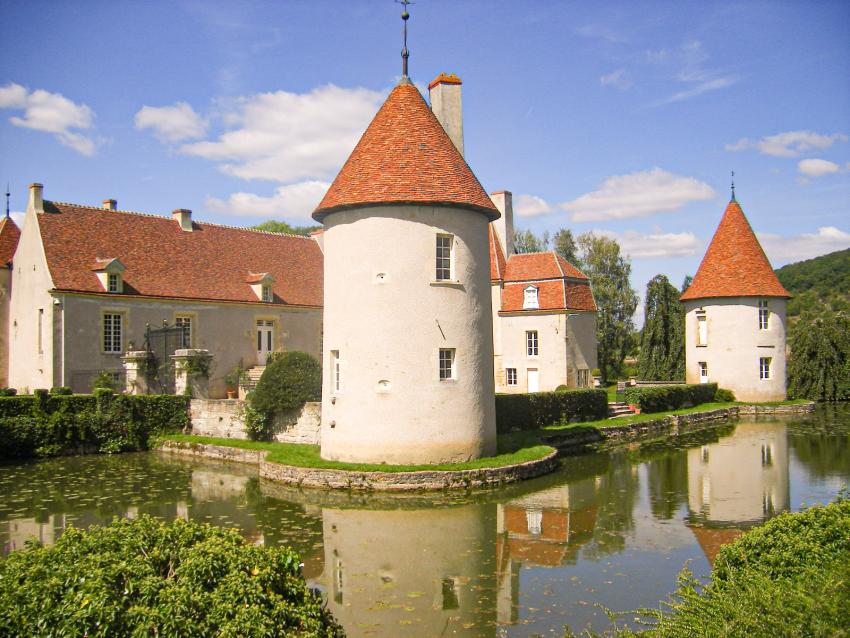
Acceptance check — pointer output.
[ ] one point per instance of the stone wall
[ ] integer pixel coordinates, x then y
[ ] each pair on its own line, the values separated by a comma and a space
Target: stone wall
223, 418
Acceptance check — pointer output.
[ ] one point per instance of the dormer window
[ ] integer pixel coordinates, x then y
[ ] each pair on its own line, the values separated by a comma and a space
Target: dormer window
267, 292
110, 272
112, 282
530, 299
263, 286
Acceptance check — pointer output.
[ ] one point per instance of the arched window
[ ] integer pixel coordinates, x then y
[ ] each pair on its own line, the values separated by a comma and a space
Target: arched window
530, 300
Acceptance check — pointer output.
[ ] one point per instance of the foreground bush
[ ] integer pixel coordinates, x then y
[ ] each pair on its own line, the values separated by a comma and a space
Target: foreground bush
661, 398
146, 578
540, 409
49, 424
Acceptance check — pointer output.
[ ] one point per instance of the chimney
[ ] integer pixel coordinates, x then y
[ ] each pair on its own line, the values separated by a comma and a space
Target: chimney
36, 201
444, 93
110, 204
504, 226
183, 217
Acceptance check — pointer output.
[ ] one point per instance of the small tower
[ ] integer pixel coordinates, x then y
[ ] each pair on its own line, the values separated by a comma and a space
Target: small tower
735, 315
408, 337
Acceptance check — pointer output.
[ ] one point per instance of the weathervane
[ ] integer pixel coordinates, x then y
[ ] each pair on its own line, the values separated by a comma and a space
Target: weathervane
405, 16
733, 186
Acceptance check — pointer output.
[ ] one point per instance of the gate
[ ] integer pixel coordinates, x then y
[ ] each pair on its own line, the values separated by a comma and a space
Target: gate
161, 343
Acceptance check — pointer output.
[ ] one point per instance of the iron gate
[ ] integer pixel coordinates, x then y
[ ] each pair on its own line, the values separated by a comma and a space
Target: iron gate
161, 343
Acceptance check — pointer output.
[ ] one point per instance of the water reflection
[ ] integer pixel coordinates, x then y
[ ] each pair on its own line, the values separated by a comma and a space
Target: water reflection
613, 528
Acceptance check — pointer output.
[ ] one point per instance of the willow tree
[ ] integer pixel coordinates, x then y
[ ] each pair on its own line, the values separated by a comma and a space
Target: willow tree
819, 365
662, 343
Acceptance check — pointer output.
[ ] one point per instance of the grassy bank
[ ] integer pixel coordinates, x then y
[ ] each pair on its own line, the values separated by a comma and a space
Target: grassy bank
513, 448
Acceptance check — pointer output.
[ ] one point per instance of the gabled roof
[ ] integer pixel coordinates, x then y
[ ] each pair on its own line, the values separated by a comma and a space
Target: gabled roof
560, 285
9, 236
535, 266
210, 263
734, 264
405, 157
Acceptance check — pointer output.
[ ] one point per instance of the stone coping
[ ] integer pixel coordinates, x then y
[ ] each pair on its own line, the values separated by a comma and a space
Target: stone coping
423, 480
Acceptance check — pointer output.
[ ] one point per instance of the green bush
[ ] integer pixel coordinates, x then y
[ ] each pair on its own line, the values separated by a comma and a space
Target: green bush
661, 398
724, 396
8, 392
60, 390
102, 380
540, 409
47, 425
147, 578
288, 382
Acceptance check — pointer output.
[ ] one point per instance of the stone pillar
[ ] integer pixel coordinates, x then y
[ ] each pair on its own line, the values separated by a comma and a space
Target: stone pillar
136, 365
189, 376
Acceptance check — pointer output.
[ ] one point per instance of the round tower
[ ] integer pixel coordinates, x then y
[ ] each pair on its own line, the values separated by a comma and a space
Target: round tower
735, 315
408, 343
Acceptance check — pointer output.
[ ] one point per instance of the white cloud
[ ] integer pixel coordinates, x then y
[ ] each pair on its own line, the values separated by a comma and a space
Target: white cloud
788, 144
817, 167
51, 113
704, 86
782, 250
656, 244
617, 79
171, 123
286, 136
294, 201
531, 205
638, 194
690, 60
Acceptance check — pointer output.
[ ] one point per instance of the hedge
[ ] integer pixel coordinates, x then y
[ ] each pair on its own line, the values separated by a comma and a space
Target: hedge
661, 398
51, 424
147, 578
540, 409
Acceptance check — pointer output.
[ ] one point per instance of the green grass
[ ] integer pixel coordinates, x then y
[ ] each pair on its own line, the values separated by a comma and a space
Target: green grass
513, 448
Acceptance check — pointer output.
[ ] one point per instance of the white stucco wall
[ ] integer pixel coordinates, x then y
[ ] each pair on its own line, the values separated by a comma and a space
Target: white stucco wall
388, 319
735, 345
566, 343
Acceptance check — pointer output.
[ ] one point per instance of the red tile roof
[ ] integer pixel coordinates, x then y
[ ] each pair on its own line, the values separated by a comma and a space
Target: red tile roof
9, 236
560, 285
734, 264
405, 157
212, 262
532, 266
497, 256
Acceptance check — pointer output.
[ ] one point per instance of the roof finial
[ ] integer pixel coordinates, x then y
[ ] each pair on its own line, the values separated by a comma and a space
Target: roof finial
405, 16
733, 187
8, 195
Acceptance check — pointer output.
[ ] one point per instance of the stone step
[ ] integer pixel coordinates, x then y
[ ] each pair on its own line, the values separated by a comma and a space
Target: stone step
617, 409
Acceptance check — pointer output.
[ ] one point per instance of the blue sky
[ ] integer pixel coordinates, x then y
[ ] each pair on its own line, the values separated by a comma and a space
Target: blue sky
623, 118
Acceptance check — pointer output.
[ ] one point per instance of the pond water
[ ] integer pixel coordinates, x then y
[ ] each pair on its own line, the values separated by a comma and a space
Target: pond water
611, 528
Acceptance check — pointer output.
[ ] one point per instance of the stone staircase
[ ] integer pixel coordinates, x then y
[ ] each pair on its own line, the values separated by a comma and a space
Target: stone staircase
617, 409
252, 377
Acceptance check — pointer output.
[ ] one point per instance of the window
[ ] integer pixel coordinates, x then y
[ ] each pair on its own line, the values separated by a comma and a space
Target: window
40, 328
510, 376
534, 521
764, 367
447, 364
336, 371
703, 372
764, 315
531, 348
111, 333
186, 335
112, 282
530, 299
444, 258
582, 378
702, 329
267, 292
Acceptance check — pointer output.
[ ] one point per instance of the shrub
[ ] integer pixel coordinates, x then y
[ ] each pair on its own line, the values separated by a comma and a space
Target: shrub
8, 392
562, 388
540, 409
724, 396
145, 578
60, 390
102, 380
661, 398
288, 382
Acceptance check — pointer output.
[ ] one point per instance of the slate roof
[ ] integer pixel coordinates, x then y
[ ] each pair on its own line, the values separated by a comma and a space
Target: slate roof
210, 263
405, 157
9, 236
734, 264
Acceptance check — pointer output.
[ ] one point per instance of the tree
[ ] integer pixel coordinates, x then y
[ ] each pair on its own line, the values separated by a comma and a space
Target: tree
662, 343
525, 241
565, 245
274, 226
616, 300
819, 365
687, 283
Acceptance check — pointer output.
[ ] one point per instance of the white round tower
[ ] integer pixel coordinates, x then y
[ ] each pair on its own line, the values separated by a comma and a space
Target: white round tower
735, 315
407, 343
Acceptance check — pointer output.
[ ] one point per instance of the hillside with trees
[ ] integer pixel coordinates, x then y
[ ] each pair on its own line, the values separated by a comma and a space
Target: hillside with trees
819, 285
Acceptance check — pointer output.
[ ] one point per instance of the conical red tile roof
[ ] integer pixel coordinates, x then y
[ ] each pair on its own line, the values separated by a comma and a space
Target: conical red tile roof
405, 157
734, 264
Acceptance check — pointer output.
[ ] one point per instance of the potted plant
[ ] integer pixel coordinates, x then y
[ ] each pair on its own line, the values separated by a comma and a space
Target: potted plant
597, 377
232, 380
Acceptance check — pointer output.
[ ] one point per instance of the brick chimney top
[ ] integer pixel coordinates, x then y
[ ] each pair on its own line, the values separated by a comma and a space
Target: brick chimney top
183, 216
110, 204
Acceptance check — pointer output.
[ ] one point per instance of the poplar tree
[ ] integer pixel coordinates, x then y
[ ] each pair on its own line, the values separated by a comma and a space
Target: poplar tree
819, 365
662, 344
525, 241
565, 245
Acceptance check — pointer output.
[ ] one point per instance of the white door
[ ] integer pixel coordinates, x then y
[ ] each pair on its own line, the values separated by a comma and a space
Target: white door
703, 372
533, 380
265, 340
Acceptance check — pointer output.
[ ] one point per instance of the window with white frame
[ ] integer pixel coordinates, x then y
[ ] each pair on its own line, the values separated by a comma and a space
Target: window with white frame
764, 315
267, 292
112, 282
531, 343
582, 377
530, 300
336, 372
185, 336
703, 371
447, 364
444, 257
702, 329
764, 367
510, 376
112, 332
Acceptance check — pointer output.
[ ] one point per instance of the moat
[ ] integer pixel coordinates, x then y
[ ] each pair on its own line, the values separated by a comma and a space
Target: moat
609, 528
